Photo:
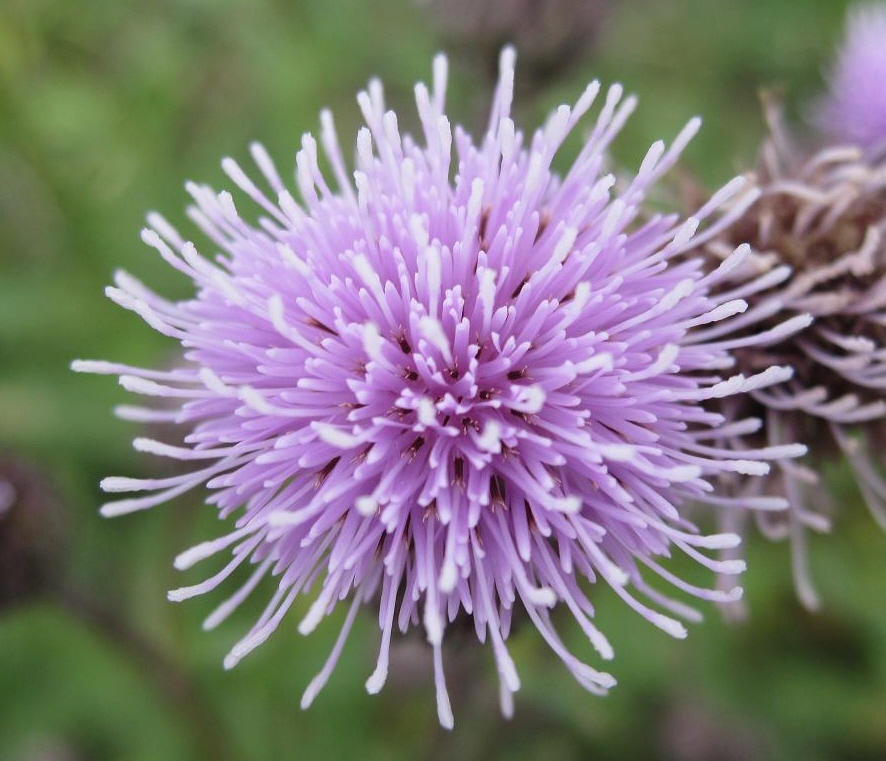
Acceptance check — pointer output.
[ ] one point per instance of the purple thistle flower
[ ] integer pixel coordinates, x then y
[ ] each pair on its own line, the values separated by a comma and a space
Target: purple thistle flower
453, 384
854, 110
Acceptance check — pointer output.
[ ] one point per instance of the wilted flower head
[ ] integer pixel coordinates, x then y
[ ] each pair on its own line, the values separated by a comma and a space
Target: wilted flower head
455, 383
818, 234
552, 35
854, 110
31, 547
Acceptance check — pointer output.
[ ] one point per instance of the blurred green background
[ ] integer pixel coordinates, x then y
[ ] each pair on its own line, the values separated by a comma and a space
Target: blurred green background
106, 107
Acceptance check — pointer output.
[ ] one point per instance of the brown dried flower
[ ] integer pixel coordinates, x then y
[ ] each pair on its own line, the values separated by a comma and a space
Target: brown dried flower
551, 35
30, 537
818, 236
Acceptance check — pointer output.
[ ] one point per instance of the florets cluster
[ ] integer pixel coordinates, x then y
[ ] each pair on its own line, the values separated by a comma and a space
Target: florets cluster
452, 382
818, 238
854, 109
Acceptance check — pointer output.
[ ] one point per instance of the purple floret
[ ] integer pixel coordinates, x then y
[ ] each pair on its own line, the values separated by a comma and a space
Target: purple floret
450, 384
854, 110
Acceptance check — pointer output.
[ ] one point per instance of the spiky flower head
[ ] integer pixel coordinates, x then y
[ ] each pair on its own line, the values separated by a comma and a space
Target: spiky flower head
454, 384
818, 236
854, 110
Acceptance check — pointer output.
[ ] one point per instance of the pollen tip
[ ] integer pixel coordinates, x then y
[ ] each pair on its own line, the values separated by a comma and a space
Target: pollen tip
376, 681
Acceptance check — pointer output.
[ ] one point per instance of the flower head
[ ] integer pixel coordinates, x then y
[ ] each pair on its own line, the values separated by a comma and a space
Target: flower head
454, 383
552, 35
32, 550
818, 236
854, 110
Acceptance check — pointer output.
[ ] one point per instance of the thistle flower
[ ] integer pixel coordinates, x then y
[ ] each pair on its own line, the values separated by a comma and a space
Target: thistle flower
817, 234
854, 110
455, 386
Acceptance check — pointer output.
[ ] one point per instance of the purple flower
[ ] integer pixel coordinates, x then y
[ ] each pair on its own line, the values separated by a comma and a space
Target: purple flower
453, 384
854, 110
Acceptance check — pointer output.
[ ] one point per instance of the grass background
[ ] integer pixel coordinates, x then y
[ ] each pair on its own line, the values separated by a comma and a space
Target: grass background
106, 108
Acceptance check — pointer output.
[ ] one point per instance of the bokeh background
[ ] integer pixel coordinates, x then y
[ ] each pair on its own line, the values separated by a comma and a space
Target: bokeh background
106, 107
